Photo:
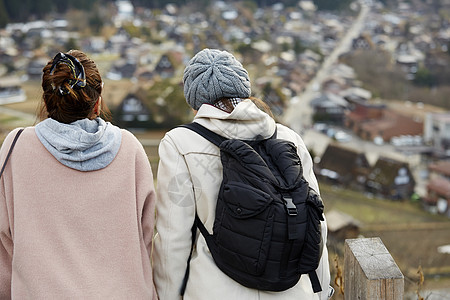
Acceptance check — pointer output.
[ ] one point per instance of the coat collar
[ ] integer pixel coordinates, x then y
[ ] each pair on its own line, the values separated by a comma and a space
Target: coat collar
257, 123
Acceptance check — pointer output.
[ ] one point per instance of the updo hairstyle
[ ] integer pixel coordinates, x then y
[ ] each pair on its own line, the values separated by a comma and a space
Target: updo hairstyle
71, 86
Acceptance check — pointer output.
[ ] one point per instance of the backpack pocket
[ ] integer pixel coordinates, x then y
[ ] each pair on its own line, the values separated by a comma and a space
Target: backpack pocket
243, 229
312, 249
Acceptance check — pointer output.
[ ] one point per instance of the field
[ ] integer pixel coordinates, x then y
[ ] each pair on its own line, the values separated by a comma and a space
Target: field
411, 235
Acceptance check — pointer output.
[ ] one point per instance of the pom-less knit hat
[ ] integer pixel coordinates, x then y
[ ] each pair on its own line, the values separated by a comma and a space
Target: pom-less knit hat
214, 74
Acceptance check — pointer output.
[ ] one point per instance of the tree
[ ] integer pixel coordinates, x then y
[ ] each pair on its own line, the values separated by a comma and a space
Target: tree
332, 4
71, 44
3, 14
96, 22
13, 9
298, 46
378, 73
424, 77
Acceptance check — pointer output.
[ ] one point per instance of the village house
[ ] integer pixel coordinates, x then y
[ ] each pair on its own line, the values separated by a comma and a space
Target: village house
390, 179
168, 64
362, 111
356, 95
437, 199
409, 64
295, 81
334, 85
341, 226
148, 106
145, 74
343, 166
423, 42
94, 44
116, 43
329, 108
132, 113
11, 90
437, 133
408, 57
363, 42
392, 124
372, 121
381, 41
122, 69
35, 66
345, 72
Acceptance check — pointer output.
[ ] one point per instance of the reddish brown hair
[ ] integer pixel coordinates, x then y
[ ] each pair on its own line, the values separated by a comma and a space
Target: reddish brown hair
79, 103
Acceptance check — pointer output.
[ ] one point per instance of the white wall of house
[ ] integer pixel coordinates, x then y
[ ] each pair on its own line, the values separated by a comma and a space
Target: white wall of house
437, 129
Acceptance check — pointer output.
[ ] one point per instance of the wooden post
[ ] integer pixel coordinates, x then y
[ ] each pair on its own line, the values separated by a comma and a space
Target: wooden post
370, 272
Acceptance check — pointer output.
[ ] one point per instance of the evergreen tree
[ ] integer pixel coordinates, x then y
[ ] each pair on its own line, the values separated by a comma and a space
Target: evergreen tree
424, 77
332, 4
96, 22
3, 14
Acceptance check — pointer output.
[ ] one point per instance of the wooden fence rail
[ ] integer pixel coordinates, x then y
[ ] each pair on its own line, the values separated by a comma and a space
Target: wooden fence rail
370, 272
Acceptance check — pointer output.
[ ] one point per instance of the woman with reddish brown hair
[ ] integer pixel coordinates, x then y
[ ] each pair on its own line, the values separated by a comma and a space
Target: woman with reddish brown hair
72, 88
76, 197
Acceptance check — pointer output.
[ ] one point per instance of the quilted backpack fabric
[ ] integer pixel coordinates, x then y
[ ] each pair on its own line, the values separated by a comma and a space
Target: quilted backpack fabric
266, 232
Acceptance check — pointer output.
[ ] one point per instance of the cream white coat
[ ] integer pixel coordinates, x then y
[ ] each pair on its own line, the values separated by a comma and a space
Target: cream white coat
189, 176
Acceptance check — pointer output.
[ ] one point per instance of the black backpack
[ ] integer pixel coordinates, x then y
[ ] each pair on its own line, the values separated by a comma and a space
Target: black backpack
266, 231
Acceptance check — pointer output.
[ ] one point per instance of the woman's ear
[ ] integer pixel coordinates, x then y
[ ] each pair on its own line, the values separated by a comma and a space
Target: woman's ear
98, 106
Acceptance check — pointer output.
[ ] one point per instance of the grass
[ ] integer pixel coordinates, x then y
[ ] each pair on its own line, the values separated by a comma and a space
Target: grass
375, 211
411, 234
6, 120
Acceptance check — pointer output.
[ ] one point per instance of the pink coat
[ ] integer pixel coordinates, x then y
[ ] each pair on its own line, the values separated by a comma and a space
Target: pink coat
71, 234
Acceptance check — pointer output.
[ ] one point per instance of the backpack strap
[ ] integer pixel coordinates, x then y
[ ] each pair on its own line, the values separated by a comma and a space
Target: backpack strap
205, 132
208, 237
315, 281
186, 274
10, 150
211, 136
197, 224
216, 140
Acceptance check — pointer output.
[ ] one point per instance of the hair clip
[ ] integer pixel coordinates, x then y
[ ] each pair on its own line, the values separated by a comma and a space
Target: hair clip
76, 68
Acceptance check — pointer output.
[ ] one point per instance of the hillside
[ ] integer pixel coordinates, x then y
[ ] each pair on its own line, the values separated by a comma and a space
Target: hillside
400, 225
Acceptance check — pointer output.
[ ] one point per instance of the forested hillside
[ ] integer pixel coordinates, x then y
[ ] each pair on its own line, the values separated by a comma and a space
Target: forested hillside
25, 10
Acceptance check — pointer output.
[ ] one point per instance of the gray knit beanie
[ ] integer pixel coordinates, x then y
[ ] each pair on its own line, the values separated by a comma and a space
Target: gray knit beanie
213, 74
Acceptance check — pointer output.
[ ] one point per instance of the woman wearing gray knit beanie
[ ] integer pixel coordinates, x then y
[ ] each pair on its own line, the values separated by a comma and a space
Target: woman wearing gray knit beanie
212, 75
217, 87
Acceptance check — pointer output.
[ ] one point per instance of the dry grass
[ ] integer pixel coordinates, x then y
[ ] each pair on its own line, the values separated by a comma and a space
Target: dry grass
411, 235
34, 94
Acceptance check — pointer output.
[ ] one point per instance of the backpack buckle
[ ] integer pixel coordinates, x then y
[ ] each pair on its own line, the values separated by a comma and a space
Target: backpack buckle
290, 206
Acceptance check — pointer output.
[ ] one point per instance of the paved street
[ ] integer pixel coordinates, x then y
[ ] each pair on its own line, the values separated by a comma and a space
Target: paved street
298, 115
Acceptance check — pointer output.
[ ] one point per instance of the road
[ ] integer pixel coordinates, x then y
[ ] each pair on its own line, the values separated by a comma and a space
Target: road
298, 115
